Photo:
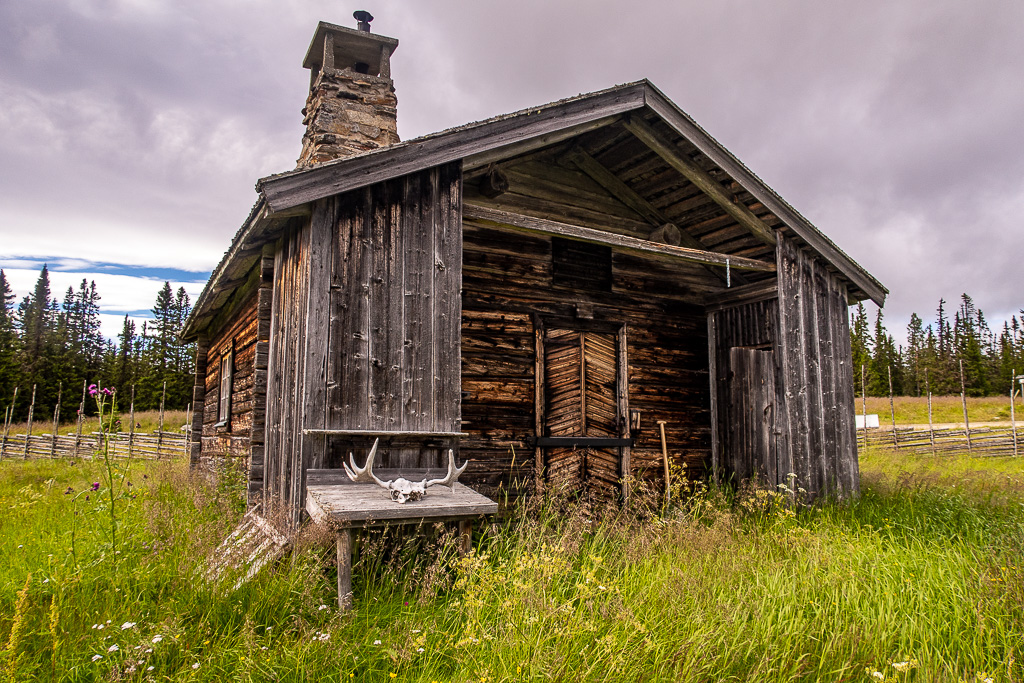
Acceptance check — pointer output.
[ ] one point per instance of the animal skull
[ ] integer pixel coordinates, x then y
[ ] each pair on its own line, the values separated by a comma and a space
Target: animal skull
401, 489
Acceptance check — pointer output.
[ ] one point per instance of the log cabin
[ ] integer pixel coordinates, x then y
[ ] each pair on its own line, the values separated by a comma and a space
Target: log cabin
542, 292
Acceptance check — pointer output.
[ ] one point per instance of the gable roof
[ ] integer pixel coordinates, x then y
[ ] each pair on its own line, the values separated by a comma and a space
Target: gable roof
502, 137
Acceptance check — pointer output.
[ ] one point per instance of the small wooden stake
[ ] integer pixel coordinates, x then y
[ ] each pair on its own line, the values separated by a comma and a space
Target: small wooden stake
664, 459
963, 400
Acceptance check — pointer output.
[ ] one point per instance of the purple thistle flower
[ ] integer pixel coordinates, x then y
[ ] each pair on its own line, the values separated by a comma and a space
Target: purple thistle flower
69, 491
92, 389
95, 486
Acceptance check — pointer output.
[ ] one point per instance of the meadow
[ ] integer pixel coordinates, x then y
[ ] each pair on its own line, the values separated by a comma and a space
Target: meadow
945, 409
921, 578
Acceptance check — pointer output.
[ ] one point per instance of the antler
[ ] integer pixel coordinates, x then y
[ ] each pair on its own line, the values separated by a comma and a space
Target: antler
453, 473
365, 474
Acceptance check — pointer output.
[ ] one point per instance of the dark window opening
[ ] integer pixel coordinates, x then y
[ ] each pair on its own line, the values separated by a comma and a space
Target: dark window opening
226, 378
581, 265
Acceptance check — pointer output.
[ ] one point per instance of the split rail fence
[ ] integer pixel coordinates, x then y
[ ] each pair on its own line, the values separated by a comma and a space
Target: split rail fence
154, 446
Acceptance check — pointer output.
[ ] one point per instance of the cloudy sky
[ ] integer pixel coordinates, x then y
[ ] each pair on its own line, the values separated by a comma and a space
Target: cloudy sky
132, 131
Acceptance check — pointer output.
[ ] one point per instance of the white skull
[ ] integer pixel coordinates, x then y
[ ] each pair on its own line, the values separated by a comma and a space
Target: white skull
402, 490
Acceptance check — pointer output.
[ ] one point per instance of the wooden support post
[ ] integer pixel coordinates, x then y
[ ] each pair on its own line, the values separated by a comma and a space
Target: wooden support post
7, 424
931, 426
963, 401
1013, 415
56, 420
28, 432
892, 410
465, 536
344, 569
81, 417
538, 407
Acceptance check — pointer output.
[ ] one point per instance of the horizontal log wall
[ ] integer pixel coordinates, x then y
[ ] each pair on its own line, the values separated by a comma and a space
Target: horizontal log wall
816, 373
507, 291
238, 336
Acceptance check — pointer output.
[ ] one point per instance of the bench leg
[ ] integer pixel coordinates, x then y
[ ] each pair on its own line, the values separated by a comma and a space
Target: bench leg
465, 536
344, 569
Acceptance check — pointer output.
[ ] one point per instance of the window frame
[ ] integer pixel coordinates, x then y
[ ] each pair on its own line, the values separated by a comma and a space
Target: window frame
226, 382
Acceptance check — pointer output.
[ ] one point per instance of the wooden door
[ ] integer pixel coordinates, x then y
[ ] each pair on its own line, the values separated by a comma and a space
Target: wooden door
582, 399
752, 451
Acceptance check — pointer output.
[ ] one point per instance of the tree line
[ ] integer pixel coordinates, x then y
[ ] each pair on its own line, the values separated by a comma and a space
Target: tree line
57, 345
934, 352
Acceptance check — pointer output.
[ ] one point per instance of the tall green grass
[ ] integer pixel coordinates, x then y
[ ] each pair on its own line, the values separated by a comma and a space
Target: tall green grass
945, 409
924, 571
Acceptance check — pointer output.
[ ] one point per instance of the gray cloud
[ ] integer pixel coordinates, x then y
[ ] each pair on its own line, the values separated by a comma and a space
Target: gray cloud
133, 130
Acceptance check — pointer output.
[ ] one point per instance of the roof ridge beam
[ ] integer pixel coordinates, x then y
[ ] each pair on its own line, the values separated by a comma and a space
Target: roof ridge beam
578, 232
699, 177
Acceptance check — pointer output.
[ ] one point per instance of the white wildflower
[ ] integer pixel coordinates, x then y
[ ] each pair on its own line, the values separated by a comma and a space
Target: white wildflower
419, 649
376, 642
157, 638
127, 625
150, 668
196, 665
113, 648
321, 608
97, 658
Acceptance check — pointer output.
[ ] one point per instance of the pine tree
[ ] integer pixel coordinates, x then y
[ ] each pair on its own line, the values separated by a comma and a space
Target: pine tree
860, 343
914, 355
40, 348
10, 370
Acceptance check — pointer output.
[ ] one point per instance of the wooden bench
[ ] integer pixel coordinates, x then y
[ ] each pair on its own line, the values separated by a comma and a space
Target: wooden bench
331, 497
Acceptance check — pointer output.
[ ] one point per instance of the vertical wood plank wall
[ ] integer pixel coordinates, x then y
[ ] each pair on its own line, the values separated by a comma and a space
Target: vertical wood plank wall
815, 369
365, 326
746, 325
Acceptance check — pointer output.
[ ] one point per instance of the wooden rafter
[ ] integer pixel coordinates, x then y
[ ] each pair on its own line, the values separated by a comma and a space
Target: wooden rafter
699, 177
628, 196
577, 232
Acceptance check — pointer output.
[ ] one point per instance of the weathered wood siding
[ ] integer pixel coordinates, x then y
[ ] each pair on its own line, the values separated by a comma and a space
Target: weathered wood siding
738, 457
508, 295
816, 374
238, 337
365, 327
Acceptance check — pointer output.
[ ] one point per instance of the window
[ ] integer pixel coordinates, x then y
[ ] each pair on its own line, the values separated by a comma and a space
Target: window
581, 265
226, 377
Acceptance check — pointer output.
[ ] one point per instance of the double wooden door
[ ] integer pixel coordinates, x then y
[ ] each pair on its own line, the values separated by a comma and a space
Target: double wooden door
583, 429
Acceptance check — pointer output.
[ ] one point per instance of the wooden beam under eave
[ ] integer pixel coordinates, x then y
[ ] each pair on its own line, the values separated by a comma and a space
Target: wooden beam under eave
577, 232
628, 196
699, 177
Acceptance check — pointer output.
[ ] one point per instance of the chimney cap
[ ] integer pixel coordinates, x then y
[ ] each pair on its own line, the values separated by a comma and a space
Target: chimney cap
364, 18
350, 46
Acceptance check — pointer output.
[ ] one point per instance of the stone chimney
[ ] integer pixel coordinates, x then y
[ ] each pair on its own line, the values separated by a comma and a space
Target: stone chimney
351, 106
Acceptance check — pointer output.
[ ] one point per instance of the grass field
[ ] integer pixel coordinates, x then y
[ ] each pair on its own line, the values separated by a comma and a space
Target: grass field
945, 409
921, 578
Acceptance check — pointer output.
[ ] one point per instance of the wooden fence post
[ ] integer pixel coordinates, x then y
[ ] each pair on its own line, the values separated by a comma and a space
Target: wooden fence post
131, 418
864, 401
188, 433
56, 420
7, 424
1013, 416
28, 432
931, 426
81, 416
892, 410
963, 400
160, 434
